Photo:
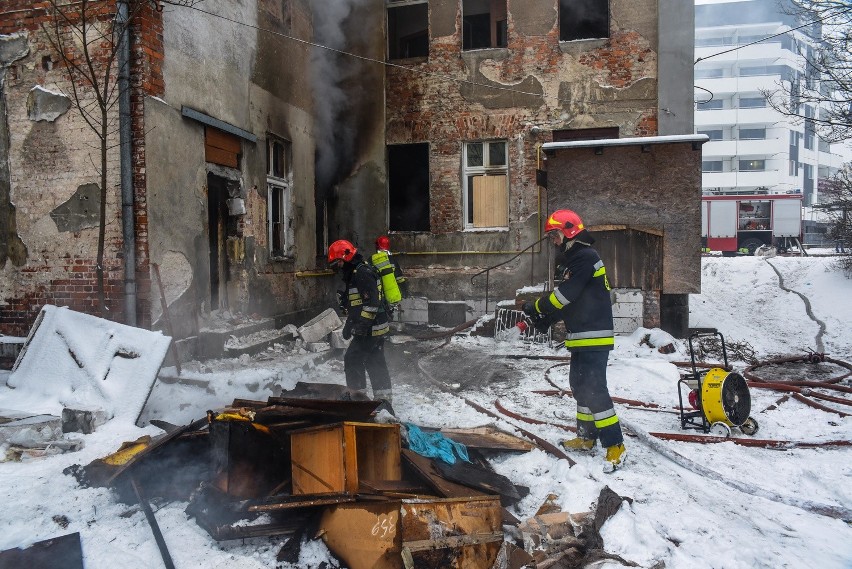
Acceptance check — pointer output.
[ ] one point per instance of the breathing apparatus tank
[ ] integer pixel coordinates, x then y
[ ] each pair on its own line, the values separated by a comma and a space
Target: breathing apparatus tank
381, 261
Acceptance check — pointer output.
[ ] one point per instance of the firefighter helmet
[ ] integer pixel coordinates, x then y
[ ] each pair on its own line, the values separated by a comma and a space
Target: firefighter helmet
566, 221
382, 242
341, 250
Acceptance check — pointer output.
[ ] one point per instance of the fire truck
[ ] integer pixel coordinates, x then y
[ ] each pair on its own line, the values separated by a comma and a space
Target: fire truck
741, 224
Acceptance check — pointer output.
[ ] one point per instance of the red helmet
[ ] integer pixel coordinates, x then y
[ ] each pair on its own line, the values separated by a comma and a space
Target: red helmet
341, 250
566, 221
382, 242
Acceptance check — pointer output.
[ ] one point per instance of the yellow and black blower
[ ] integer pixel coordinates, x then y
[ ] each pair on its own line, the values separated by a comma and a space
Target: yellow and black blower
719, 398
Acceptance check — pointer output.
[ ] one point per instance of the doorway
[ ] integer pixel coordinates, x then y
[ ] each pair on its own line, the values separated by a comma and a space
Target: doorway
217, 219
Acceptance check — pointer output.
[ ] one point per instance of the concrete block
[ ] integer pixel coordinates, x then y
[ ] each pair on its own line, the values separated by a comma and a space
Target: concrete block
626, 325
30, 431
336, 340
627, 310
626, 295
82, 420
447, 314
319, 327
317, 347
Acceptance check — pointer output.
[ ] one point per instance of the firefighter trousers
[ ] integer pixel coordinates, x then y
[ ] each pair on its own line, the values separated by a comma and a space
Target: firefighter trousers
596, 418
366, 355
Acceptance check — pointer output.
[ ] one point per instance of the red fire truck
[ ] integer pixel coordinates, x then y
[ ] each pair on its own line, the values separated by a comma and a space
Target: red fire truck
742, 223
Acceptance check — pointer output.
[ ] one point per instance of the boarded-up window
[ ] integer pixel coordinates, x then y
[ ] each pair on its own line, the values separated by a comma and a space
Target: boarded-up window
486, 182
489, 201
221, 148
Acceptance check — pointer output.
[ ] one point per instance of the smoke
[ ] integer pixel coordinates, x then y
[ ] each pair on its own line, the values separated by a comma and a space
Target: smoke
744, 12
330, 74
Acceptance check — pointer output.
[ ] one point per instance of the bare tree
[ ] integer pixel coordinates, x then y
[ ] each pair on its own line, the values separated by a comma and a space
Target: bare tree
88, 36
823, 99
837, 203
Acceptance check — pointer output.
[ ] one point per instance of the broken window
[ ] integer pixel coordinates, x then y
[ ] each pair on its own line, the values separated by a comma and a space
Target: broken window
484, 24
486, 184
408, 28
279, 184
583, 19
408, 187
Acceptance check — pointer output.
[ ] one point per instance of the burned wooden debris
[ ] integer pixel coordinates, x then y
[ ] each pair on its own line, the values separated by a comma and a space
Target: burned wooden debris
309, 463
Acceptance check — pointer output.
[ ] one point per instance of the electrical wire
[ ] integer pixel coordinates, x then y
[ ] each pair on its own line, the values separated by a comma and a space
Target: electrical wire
445, 77
840, 13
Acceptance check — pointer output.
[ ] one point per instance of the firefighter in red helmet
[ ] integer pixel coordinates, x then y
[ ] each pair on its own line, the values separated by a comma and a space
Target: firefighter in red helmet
582, 300
366, 322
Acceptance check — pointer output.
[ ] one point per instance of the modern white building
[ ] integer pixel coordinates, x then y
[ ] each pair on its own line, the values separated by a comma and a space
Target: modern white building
745, 50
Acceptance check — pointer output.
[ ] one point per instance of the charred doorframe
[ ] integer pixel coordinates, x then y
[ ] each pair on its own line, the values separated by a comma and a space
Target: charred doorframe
224, 183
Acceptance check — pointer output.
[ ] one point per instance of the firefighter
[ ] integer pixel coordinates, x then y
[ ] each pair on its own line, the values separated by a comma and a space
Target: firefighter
366, 322
582, 300
394, 284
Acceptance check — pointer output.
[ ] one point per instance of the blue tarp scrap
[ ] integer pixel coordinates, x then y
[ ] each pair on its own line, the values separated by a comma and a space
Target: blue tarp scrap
435, 445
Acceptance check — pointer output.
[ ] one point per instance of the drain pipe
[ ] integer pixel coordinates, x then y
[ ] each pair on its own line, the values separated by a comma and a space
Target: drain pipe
128, 223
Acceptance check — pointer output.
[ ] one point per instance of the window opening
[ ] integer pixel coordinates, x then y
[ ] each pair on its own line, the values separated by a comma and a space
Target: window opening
712, 134
484, 24
486, 184
408, 29
408, 187
752, 134
279, 184
752, 165
711, 166
583, 19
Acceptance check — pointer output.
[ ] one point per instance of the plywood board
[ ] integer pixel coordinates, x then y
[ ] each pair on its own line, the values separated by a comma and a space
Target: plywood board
488, 438
490, 201
317, 461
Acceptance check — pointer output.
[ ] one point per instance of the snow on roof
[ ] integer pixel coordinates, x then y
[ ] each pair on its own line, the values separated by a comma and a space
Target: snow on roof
701, 138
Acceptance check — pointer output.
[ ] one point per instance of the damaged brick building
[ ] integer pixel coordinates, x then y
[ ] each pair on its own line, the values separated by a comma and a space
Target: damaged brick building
251, 148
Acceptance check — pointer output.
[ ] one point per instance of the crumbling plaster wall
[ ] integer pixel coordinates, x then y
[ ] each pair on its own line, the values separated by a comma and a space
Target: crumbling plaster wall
51, 164
255, 81
549, 85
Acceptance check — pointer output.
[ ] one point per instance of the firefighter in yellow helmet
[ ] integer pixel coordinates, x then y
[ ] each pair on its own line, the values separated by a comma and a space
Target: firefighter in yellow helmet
366, 322
582, 300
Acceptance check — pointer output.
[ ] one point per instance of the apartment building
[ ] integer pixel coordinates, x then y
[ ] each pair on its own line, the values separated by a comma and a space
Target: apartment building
749, 53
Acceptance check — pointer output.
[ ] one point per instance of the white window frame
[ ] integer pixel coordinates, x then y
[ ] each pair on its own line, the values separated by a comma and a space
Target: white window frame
485, 170
279, 187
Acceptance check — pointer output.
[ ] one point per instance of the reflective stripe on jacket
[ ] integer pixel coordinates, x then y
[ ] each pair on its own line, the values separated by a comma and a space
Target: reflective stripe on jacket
582, 300
364, 299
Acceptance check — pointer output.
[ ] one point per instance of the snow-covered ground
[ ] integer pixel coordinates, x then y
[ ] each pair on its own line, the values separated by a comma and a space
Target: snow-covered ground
694, 506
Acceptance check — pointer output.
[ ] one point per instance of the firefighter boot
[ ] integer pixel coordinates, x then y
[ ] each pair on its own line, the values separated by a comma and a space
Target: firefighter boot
615, 456
386, 397
578, 443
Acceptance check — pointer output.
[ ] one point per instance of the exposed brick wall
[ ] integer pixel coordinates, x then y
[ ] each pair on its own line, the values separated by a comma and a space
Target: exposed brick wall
50, 160
548, 84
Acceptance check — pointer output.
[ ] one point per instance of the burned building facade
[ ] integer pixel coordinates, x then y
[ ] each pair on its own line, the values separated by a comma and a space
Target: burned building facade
476, 88
260, 132
218, 174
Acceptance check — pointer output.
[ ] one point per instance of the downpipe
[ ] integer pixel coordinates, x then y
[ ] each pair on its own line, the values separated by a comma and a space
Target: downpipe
128, 222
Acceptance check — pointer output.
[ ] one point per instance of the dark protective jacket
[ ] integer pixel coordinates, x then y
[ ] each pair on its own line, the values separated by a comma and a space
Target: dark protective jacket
582, 300
365, 310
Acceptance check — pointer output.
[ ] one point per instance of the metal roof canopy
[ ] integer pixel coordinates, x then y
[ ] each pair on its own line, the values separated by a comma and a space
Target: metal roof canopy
216, 123
695, 139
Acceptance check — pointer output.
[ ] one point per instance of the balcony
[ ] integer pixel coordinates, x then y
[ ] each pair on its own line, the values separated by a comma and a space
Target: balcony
767, 178
723, 148
767, 147
719, 179
752, 84
721, 117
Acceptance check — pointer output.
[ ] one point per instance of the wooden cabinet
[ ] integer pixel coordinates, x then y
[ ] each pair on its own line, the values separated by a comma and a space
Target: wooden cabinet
338, 458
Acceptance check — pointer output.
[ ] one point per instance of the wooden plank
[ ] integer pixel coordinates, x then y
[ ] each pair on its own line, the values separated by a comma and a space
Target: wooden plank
312, 502
425, 468
487, 481
222, 140
488, 438
219, 156
490, 201
317, 461
452, 542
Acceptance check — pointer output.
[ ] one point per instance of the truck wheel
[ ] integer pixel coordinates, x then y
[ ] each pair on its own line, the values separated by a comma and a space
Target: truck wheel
751, 245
